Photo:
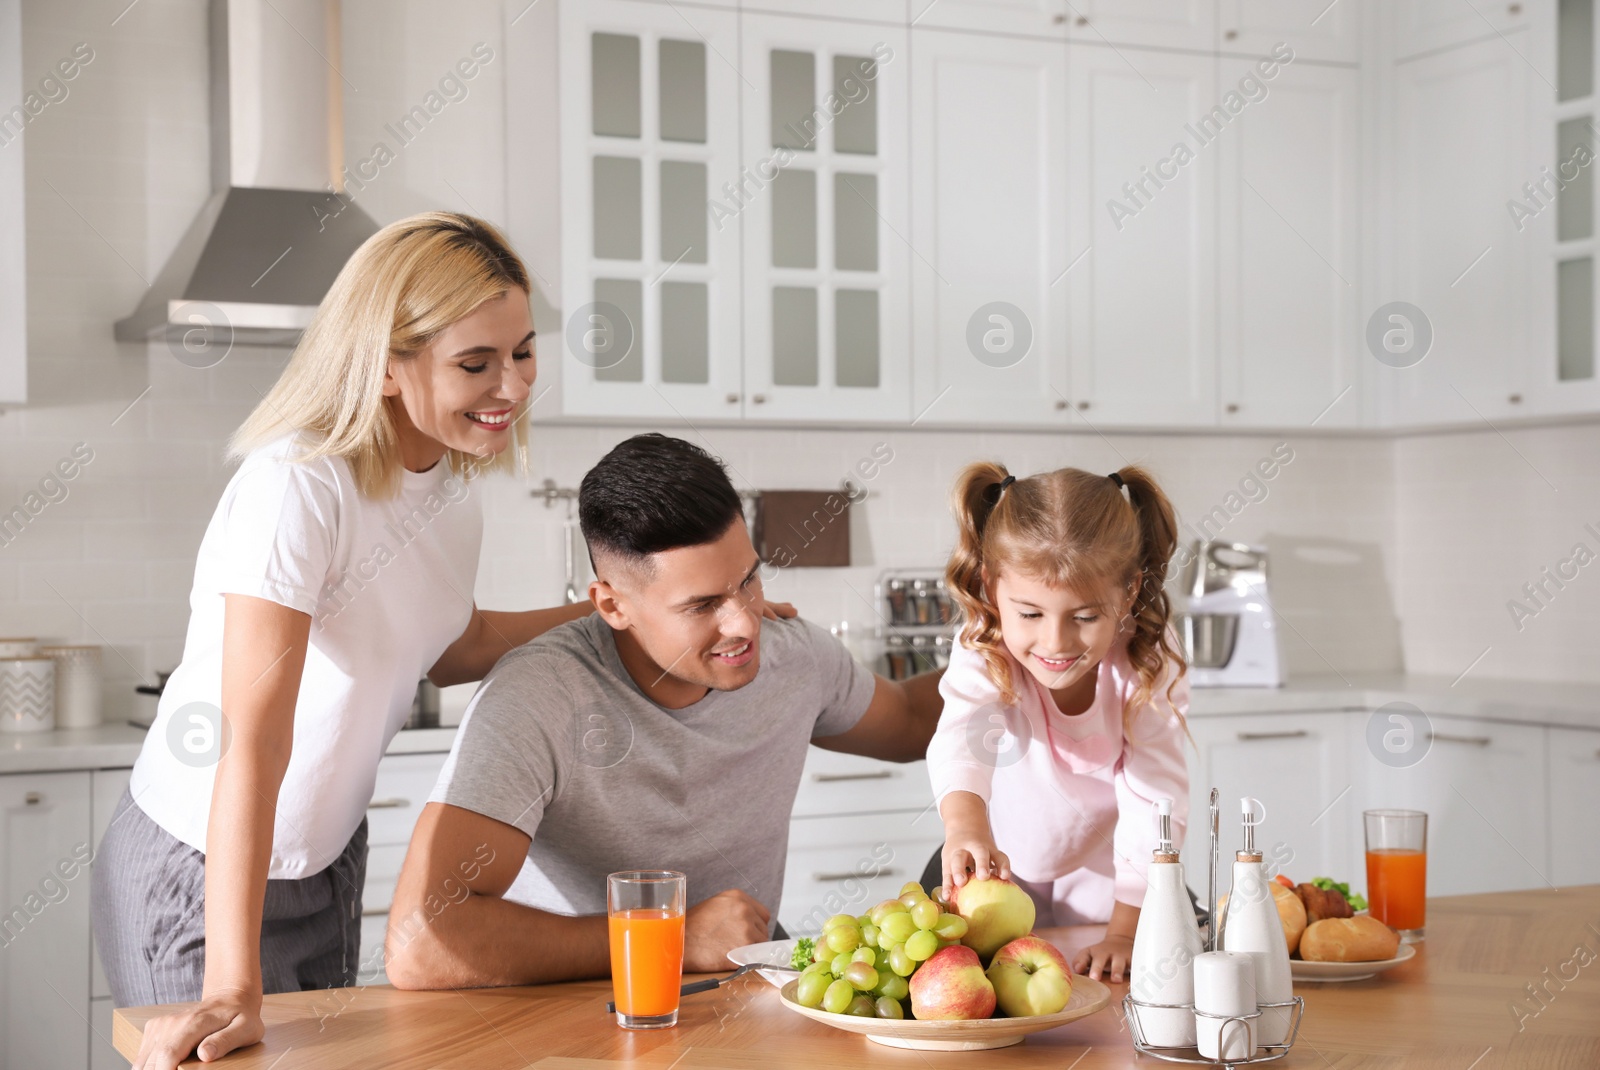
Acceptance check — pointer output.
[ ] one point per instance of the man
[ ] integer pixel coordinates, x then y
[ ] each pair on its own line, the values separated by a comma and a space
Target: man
665, 731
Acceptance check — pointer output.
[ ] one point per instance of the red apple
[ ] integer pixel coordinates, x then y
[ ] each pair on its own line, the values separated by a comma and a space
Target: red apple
997, 913
1030, 977
951, 985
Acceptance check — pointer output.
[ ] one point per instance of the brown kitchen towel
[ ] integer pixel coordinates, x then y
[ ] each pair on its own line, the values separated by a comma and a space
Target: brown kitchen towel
804, 528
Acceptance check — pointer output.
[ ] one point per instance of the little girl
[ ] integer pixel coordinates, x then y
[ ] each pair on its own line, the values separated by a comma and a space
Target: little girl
1065, 697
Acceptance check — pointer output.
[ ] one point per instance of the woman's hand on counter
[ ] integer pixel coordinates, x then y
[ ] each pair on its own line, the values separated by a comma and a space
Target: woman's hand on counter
215, 1026
717, 925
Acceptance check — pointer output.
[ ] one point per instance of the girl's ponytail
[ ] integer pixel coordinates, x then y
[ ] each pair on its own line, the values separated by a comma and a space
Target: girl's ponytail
1151, 647
978, 493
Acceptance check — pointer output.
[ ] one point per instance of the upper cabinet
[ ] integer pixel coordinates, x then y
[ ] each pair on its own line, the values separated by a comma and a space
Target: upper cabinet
1143, 181
826, 282
13, 296
1289, 251
989, 302
1426, 25
649, 139
1315, 29
1186, 24
1023, 18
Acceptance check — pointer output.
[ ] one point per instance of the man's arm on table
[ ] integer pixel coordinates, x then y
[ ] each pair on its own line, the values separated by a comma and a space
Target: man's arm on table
898, 724
451, 927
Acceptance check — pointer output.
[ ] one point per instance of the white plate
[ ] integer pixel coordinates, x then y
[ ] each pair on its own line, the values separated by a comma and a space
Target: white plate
1302, 970
769, 952
1088, 996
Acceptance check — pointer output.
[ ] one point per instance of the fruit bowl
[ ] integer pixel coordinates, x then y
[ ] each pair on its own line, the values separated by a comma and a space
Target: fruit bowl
1088, 996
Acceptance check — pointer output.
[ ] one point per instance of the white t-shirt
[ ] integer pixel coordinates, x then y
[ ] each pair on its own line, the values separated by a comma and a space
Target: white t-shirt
388, 584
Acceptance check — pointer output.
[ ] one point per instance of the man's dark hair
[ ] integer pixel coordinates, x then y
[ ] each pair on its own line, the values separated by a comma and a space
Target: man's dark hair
653, 493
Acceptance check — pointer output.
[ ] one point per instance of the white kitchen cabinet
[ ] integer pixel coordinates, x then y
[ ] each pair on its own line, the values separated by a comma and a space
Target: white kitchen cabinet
1185, 24
1143, 300
1482, 785
649, 108
1574, 762
1290, 249
989, 297
1426, 25
106, 788
1315, 29
13, 239
402, 787
1043, 19
45, 835
1459, 149
1297, 766
826, 261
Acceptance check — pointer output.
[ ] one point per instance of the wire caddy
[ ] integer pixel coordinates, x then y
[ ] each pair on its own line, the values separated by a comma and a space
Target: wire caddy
1265, 1053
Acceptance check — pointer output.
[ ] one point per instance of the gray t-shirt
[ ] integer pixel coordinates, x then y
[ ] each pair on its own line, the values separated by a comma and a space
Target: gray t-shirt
561, 743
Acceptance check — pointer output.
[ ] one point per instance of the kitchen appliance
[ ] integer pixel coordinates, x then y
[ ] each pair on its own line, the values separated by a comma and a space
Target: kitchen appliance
1225, 617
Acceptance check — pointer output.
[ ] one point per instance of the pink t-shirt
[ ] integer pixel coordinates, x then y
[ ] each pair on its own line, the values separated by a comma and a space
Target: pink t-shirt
1068, 797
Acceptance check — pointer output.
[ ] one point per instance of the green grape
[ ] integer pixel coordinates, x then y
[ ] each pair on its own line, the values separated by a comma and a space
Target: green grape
899, 927
889, 1008
862, 977
810, 989
911, 899
869, 955
888, 906
901, 962
869, 934
836, 1000
886, 940
843, 938
863, 921
911, 886
863, 1006
838, 920
951, 927
926, 914
882, 960
840, 963
922, 945
894, 986
818, 968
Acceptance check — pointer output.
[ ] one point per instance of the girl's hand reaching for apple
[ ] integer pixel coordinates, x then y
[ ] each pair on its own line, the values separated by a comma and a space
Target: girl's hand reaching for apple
971, 855
1110, 955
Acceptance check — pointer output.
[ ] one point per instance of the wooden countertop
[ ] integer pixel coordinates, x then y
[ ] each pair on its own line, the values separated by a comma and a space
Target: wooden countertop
1452, 1006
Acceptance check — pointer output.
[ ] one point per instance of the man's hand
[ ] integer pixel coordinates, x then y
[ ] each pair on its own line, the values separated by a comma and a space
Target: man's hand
217, 1025
716, 926
779, 610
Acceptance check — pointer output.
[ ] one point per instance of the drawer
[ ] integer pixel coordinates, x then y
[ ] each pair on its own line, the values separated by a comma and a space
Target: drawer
849, 784
403, 784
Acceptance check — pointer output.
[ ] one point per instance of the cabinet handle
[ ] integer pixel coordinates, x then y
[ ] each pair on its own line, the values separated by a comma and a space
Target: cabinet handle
732, 399
1231, 35
1233, 406
828, 878
1515, 9
1083, 20
1062, 404
830, 778
1515, 399
33, 798
388, 804
1059, 19
1246, 737
374, 912
1476, 741
759, 399
1083, 405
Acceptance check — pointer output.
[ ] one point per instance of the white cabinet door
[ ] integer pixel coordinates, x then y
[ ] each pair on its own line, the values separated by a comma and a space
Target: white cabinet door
13, 268
1314, 29
650, 147
1289, 243
1186, 24
399, 792
1045, 19
1425, 25
1143, 193
1295, 764
1574, 802
989, 197
1459, 152
45, 838
826, 294
1481, 784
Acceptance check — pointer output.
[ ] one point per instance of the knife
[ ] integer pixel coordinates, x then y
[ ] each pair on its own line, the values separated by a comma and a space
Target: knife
715, 982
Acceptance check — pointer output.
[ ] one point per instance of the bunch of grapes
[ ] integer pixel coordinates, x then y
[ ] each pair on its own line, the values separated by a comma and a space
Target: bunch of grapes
863, 965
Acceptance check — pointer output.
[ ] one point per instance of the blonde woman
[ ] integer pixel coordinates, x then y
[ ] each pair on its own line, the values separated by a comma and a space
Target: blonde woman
337, 571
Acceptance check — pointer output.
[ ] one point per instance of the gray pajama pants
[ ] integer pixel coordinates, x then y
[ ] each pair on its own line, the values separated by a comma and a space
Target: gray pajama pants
148, 904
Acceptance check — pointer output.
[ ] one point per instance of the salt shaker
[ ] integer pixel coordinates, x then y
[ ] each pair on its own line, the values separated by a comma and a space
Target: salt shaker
1225, 985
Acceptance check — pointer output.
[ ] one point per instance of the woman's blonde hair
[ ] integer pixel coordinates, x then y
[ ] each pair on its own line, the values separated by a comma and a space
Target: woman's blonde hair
404, 285
1067, 528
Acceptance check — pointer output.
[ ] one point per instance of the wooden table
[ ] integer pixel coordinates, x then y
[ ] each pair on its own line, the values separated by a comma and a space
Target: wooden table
1452, 1006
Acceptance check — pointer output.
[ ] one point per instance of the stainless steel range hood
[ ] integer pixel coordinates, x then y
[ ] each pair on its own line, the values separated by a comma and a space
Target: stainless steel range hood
265, 248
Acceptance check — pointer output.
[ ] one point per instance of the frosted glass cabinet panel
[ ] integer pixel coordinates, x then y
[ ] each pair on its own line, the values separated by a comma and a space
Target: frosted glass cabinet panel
651, 288
825, 254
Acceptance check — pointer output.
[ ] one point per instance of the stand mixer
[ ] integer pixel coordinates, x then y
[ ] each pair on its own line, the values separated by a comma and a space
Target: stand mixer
1225, 618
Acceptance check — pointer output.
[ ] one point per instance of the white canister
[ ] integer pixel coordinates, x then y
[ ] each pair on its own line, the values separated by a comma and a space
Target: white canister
27, 694
1225, 1004
77, 685
18, 648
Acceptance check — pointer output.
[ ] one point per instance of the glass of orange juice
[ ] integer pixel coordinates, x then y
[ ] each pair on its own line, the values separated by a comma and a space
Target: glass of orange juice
1397, 870
644, 909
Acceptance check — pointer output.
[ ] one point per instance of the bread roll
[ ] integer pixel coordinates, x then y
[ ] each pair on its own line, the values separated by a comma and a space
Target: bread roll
1291, 913
1362, 938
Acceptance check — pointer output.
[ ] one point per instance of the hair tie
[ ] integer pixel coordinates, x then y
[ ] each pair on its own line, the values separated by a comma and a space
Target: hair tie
1116, 477
992, 493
